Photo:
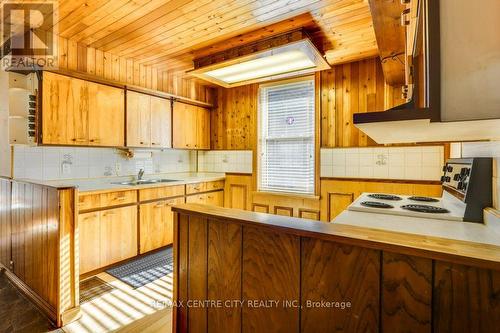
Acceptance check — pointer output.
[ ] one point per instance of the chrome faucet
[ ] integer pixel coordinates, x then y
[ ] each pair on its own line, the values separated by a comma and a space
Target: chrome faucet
140, 174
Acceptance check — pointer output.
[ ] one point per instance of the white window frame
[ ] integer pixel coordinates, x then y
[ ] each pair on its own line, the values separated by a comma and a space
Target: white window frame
260, 137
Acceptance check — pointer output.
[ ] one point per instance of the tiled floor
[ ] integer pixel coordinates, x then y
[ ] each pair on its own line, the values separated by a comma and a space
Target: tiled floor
17, 314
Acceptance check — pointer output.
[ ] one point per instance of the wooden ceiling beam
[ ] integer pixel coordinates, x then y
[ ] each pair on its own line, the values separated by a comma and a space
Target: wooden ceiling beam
390, 35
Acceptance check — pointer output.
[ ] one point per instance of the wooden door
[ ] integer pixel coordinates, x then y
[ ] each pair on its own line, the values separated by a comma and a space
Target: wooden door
203, 128
161, 123
138, 119
65, 103
90, 241
215, 198
106, 116
184, 122
118, 234
157, 224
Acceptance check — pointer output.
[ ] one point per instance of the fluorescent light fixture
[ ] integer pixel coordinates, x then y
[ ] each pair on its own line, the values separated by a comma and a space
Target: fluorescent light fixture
297, 58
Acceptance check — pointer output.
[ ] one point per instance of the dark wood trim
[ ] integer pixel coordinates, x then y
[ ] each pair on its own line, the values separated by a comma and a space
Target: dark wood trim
461, 252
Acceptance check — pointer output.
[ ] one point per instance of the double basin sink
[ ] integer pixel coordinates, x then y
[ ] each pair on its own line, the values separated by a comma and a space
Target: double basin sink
145, 182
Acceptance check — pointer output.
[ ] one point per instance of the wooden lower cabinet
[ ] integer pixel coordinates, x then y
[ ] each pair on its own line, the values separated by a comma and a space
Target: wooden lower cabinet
156, 226
118, 234
107, 237
211, 198
89, 226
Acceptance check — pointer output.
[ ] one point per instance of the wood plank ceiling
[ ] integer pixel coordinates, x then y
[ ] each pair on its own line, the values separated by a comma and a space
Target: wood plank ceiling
167, 34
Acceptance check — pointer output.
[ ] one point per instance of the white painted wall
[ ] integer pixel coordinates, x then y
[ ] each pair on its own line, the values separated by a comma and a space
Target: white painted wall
4, 124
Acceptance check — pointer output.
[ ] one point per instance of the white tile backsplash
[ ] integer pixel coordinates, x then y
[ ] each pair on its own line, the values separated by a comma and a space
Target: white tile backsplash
236, 161
52, 163
412, 163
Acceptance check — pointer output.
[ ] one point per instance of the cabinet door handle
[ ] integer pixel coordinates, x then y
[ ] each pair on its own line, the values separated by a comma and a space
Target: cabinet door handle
78, 140
95, 140
108, 214
404, 20
160, 205
405, 2
120, 198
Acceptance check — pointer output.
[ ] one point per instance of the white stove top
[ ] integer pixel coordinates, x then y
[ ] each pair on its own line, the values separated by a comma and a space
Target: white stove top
454, 207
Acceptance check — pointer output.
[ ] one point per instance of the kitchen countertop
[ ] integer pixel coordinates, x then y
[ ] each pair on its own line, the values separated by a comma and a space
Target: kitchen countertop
106, 184
487, 233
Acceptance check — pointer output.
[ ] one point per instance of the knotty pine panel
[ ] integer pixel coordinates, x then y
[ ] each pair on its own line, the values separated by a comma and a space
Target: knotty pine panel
343, 273
347, 89
271, 271
465, 299
406, 293
224, 275
344, 90
77, 57
234, 120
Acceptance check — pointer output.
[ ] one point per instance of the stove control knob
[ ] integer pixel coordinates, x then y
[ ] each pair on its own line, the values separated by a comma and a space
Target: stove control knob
460, 186
464, 172
445, 179
449, 168
457, 177
444, 168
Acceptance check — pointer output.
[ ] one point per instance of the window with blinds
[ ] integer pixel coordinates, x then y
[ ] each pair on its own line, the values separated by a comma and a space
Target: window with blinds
286, 137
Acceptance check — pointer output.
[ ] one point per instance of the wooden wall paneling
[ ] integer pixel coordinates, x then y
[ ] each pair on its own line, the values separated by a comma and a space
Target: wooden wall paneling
197, 268
224, 275
333, 272
406, 293
465, 299
180, 252
234, 119
78, 57
309, 214
237, 191
337, 202
271, 271
5, 224
260, 208
284, 211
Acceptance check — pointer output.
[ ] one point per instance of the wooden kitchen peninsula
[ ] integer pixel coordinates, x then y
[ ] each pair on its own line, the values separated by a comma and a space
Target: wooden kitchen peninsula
296, 275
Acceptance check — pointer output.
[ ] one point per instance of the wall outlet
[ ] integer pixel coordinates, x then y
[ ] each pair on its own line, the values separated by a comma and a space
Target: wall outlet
66, 169
118, 167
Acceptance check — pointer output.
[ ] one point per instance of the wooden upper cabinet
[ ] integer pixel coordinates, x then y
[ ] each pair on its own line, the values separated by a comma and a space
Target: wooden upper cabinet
78, 112
161, 123
106, 116
138, 119
191, 126
149, 122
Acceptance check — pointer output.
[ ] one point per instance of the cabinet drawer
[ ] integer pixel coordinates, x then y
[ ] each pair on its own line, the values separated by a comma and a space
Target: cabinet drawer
118, 198
213, 198
161, 192
90, 201
204, 187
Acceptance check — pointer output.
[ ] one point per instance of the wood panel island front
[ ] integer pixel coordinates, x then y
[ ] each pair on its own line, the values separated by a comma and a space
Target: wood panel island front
239, 271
